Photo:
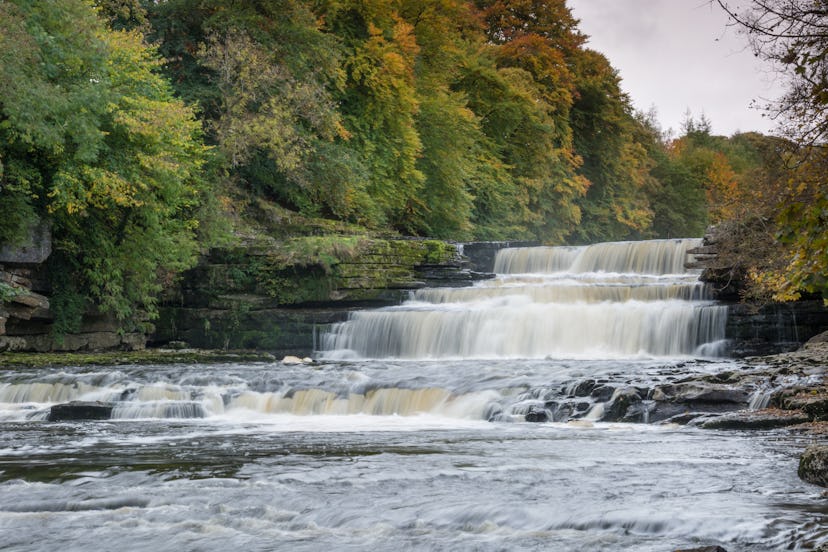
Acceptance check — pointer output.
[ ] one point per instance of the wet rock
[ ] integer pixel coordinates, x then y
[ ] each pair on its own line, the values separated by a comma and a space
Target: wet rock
618, 406
685, 418
603, 393
813, 465
702, 392
493, 412
584, 388
558, 412
762, 419
703, 549
78, 411
639, 412
537, 415
813, 401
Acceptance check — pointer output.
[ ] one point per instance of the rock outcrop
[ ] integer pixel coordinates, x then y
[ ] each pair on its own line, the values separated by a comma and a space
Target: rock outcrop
275, 295
77, 411
753, 329
26, 315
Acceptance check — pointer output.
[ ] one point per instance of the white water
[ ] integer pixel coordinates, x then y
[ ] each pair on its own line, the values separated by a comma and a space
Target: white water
609, 300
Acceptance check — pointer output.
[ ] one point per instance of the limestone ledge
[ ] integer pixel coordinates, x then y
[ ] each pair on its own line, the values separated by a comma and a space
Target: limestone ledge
277, 296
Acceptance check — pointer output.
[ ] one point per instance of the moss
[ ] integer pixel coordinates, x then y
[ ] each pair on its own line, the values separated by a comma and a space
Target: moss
148, 356
291, 288
438, 252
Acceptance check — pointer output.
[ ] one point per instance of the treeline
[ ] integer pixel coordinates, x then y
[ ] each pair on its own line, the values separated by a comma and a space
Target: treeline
130, 126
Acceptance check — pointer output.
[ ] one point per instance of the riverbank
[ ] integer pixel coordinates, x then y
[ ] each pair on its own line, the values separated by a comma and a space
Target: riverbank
141, 357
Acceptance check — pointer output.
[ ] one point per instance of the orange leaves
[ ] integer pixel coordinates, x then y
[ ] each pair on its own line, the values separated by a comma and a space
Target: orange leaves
722, 188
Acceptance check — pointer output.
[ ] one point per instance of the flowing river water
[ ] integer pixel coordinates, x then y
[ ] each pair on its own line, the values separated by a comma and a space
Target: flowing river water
409, 432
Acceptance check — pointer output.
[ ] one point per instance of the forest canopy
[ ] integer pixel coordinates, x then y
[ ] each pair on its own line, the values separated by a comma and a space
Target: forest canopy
134, 128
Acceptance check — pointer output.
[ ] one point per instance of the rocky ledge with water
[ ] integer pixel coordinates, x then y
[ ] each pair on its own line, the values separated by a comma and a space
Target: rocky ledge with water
784, 390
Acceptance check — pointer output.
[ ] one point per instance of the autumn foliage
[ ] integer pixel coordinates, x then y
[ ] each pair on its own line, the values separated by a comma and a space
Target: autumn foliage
135, 128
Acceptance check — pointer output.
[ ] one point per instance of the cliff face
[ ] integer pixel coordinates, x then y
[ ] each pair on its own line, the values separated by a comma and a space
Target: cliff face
756, 329
267, 294
273, 296
26, 310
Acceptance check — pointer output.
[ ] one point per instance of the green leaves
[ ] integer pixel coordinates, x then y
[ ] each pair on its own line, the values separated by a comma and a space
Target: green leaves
99, 146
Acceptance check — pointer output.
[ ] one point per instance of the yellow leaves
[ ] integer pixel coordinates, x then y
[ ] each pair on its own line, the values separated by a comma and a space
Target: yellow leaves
776, 284
722, 188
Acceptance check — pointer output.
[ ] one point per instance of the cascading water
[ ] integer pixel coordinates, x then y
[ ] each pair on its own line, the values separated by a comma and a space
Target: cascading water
422, 454
606, 300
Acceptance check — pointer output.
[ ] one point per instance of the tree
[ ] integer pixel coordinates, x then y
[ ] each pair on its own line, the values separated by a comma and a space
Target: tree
93, 139
794, 35
606, 136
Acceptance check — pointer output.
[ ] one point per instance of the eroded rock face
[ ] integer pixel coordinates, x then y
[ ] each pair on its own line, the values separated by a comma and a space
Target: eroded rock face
813, 465
273, 297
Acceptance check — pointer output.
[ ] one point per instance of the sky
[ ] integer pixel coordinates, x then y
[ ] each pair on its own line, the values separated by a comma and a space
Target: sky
676, 55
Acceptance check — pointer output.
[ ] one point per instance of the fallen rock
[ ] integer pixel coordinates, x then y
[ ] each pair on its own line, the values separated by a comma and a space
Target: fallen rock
813, 465
78, 411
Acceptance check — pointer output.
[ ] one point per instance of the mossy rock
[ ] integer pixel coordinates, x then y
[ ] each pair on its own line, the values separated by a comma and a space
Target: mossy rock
813, 465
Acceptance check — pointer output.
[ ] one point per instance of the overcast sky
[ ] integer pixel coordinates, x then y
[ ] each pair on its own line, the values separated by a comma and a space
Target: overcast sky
678, 55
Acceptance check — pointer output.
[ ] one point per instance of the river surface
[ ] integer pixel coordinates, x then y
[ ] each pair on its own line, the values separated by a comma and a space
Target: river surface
400, 437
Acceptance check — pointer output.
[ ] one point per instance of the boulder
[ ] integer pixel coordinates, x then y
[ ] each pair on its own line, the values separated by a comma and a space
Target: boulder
813, 465
693, 392
620, 403
78, 411
537, 415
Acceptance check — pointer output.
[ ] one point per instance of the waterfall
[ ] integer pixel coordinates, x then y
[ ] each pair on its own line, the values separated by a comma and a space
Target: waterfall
605, 300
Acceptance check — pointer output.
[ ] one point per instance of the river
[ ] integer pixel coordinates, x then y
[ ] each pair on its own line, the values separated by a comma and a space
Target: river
409, 432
